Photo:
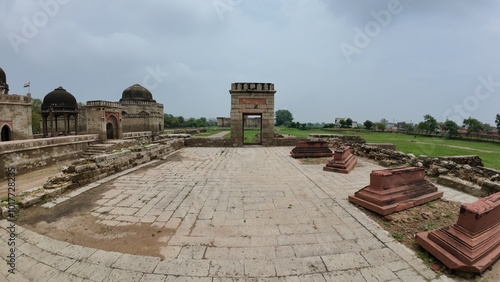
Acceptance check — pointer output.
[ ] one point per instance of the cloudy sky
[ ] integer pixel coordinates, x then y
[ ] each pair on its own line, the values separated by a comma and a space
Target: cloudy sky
362, 59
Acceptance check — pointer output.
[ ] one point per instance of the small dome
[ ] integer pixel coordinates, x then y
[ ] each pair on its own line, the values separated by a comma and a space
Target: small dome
60, 99
137, 93
3, 77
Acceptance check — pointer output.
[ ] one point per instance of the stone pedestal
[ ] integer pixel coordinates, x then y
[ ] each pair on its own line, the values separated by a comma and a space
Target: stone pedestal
343, 161
395, 189
311, 149
473, 243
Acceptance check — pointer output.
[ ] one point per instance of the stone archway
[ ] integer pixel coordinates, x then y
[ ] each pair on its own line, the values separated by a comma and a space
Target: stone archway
111, 127
252, 99
110, 131
6, 133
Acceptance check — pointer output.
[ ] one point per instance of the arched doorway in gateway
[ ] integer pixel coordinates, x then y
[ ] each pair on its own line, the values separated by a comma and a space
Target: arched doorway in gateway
6, 133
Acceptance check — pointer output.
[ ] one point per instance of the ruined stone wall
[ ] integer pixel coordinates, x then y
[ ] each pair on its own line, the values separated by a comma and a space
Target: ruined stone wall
89, 170
15, 112
287, 141
467, 168
208, 142
30, 155
222, 142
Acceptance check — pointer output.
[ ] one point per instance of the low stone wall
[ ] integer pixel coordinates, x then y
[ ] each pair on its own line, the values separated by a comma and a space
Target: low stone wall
207, 142
29, 155
292, 142
191, 131
464, 160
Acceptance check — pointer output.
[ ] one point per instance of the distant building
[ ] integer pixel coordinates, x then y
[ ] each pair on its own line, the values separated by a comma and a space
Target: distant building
15, 113
135, 112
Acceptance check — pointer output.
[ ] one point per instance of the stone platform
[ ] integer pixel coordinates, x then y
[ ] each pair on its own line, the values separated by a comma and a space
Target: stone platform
227, 214
395, 189
311, 149
473, 243
343, 161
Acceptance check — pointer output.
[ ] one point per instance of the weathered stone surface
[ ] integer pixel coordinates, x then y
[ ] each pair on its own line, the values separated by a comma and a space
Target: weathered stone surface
490, 187
30, 155
461, 185
311, 149
397, 189
472, 244
343, 161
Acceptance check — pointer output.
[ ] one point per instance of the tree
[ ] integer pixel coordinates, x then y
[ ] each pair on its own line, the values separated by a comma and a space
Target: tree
346, 123
380, 126
202, 122
36, 117
368, 124
283, 116
497, 121
406, 127
473, 125
451, 128
429, 124
170, 121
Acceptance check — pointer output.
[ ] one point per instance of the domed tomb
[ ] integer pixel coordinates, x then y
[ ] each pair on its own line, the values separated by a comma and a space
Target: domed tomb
59, 99
137, 92
60, 111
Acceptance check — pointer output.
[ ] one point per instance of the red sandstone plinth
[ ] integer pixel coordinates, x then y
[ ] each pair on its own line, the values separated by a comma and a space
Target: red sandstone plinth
395, 189
343, 161
311, 149
473, 243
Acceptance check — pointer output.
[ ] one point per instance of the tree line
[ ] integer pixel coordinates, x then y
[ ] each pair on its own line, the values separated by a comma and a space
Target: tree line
285, 118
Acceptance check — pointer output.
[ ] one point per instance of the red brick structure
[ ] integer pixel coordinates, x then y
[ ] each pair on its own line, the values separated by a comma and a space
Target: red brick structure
395, 189
343, 161
473, 243
311, 149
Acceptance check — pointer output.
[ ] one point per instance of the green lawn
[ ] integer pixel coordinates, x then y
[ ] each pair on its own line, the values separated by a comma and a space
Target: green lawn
418, 145
250, 136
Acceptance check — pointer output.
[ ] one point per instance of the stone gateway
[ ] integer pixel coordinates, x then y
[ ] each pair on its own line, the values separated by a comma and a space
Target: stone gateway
252, 99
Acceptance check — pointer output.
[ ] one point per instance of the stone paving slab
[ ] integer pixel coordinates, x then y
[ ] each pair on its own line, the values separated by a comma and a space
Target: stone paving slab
240, 214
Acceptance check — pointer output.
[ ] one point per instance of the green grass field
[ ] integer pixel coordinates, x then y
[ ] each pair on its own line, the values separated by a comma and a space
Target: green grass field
250, 136
418, 145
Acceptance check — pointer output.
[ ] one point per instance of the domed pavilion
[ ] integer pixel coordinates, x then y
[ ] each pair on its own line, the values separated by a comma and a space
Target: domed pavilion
60, 109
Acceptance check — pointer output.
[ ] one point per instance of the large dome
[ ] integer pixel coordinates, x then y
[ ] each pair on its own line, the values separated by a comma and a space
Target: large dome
59, 99
137, 93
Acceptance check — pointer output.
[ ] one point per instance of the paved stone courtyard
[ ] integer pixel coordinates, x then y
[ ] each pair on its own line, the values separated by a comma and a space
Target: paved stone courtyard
237, 214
